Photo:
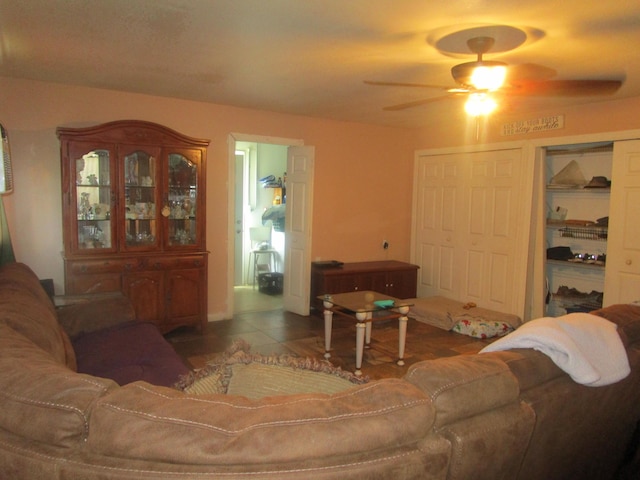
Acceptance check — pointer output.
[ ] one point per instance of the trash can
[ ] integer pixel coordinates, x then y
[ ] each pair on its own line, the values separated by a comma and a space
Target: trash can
270, 283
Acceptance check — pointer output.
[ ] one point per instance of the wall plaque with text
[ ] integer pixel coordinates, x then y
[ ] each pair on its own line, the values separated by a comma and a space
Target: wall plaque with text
541, 124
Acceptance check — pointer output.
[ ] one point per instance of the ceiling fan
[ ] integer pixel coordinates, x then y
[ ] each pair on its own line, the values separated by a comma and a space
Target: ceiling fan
481, 78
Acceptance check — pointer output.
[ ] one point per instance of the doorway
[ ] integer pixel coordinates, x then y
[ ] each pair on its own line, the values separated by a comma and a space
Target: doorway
259, 241
298, 214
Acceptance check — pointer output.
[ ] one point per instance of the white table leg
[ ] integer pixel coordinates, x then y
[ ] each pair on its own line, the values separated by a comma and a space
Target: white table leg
328, 322
367, 331
360, 332
402, 334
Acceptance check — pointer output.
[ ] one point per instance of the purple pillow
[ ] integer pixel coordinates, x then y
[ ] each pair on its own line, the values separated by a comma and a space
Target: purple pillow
129, 352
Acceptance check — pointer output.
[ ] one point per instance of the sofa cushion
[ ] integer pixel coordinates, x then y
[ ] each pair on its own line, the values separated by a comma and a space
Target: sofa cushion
444, 313
530, 367
128, 352
26, 307
258, 380
391, 415
480, 328
237, 371
41, 399
465, 385
95, 312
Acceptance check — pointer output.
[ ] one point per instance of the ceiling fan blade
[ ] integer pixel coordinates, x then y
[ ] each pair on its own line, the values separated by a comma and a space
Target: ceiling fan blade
530, 71
565, 88
399, 84
417, 103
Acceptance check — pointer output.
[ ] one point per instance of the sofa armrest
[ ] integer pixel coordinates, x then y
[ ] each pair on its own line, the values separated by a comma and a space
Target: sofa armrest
91, 313
479, 412
465, 385
627, 317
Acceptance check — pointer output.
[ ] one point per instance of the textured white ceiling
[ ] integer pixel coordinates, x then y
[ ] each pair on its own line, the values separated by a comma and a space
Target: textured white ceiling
310, 57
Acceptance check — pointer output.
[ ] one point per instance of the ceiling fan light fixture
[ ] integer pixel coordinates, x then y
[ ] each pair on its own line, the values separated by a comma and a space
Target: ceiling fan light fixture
488, 77
480, 104
480, 75
481, 78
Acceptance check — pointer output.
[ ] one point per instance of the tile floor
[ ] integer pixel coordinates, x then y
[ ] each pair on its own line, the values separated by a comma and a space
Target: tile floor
250, 299
275, 331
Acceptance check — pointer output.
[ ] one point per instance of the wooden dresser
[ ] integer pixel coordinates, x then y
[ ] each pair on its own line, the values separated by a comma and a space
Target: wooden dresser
391, 277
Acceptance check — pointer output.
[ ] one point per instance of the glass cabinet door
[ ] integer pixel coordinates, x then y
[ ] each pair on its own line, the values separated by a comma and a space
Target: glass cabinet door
139, 172
182, 200
93, 199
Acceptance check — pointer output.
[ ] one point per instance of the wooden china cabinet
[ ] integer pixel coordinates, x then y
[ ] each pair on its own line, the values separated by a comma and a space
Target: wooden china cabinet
133, 196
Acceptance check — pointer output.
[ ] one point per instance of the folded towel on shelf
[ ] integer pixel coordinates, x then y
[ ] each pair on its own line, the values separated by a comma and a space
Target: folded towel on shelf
384, 303
585, 346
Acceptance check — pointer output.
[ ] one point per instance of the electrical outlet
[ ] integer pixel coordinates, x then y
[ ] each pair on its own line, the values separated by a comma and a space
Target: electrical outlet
385, 245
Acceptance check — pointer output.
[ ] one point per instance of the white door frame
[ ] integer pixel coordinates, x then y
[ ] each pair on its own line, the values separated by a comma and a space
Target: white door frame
231, 192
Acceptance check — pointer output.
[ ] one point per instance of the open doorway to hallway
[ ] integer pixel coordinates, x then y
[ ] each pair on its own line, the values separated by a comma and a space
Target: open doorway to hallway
260, 202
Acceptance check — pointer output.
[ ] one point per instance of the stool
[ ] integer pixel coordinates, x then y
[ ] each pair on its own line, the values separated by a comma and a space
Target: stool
258, 267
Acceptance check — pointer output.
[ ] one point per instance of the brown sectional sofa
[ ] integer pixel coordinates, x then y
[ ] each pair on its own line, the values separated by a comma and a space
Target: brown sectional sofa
510, 415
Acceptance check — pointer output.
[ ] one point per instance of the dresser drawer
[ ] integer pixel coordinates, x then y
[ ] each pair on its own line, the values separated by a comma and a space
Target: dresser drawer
116, 265
173, 262
93, 283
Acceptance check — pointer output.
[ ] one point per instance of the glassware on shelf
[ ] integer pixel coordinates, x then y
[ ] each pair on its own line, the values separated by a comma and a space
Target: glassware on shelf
140, 199
180, 203
93, 199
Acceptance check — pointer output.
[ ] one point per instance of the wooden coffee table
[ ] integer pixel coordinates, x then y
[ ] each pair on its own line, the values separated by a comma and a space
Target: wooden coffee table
365, 307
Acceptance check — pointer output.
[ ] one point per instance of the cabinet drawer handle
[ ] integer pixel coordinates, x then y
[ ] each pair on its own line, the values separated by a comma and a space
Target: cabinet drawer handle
628, 262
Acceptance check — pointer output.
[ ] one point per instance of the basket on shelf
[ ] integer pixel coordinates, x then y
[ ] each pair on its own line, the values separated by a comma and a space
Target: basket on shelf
583, 233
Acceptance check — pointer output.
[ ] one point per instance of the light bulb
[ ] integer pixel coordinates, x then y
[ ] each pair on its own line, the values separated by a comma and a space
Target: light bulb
488, 77
480, 104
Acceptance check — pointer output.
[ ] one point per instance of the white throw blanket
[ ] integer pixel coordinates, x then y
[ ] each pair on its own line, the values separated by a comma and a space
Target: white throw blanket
585, 346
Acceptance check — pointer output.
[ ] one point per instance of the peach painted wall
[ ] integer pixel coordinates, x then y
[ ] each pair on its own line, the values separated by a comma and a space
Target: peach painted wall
596, 118
362, 188
363, 173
